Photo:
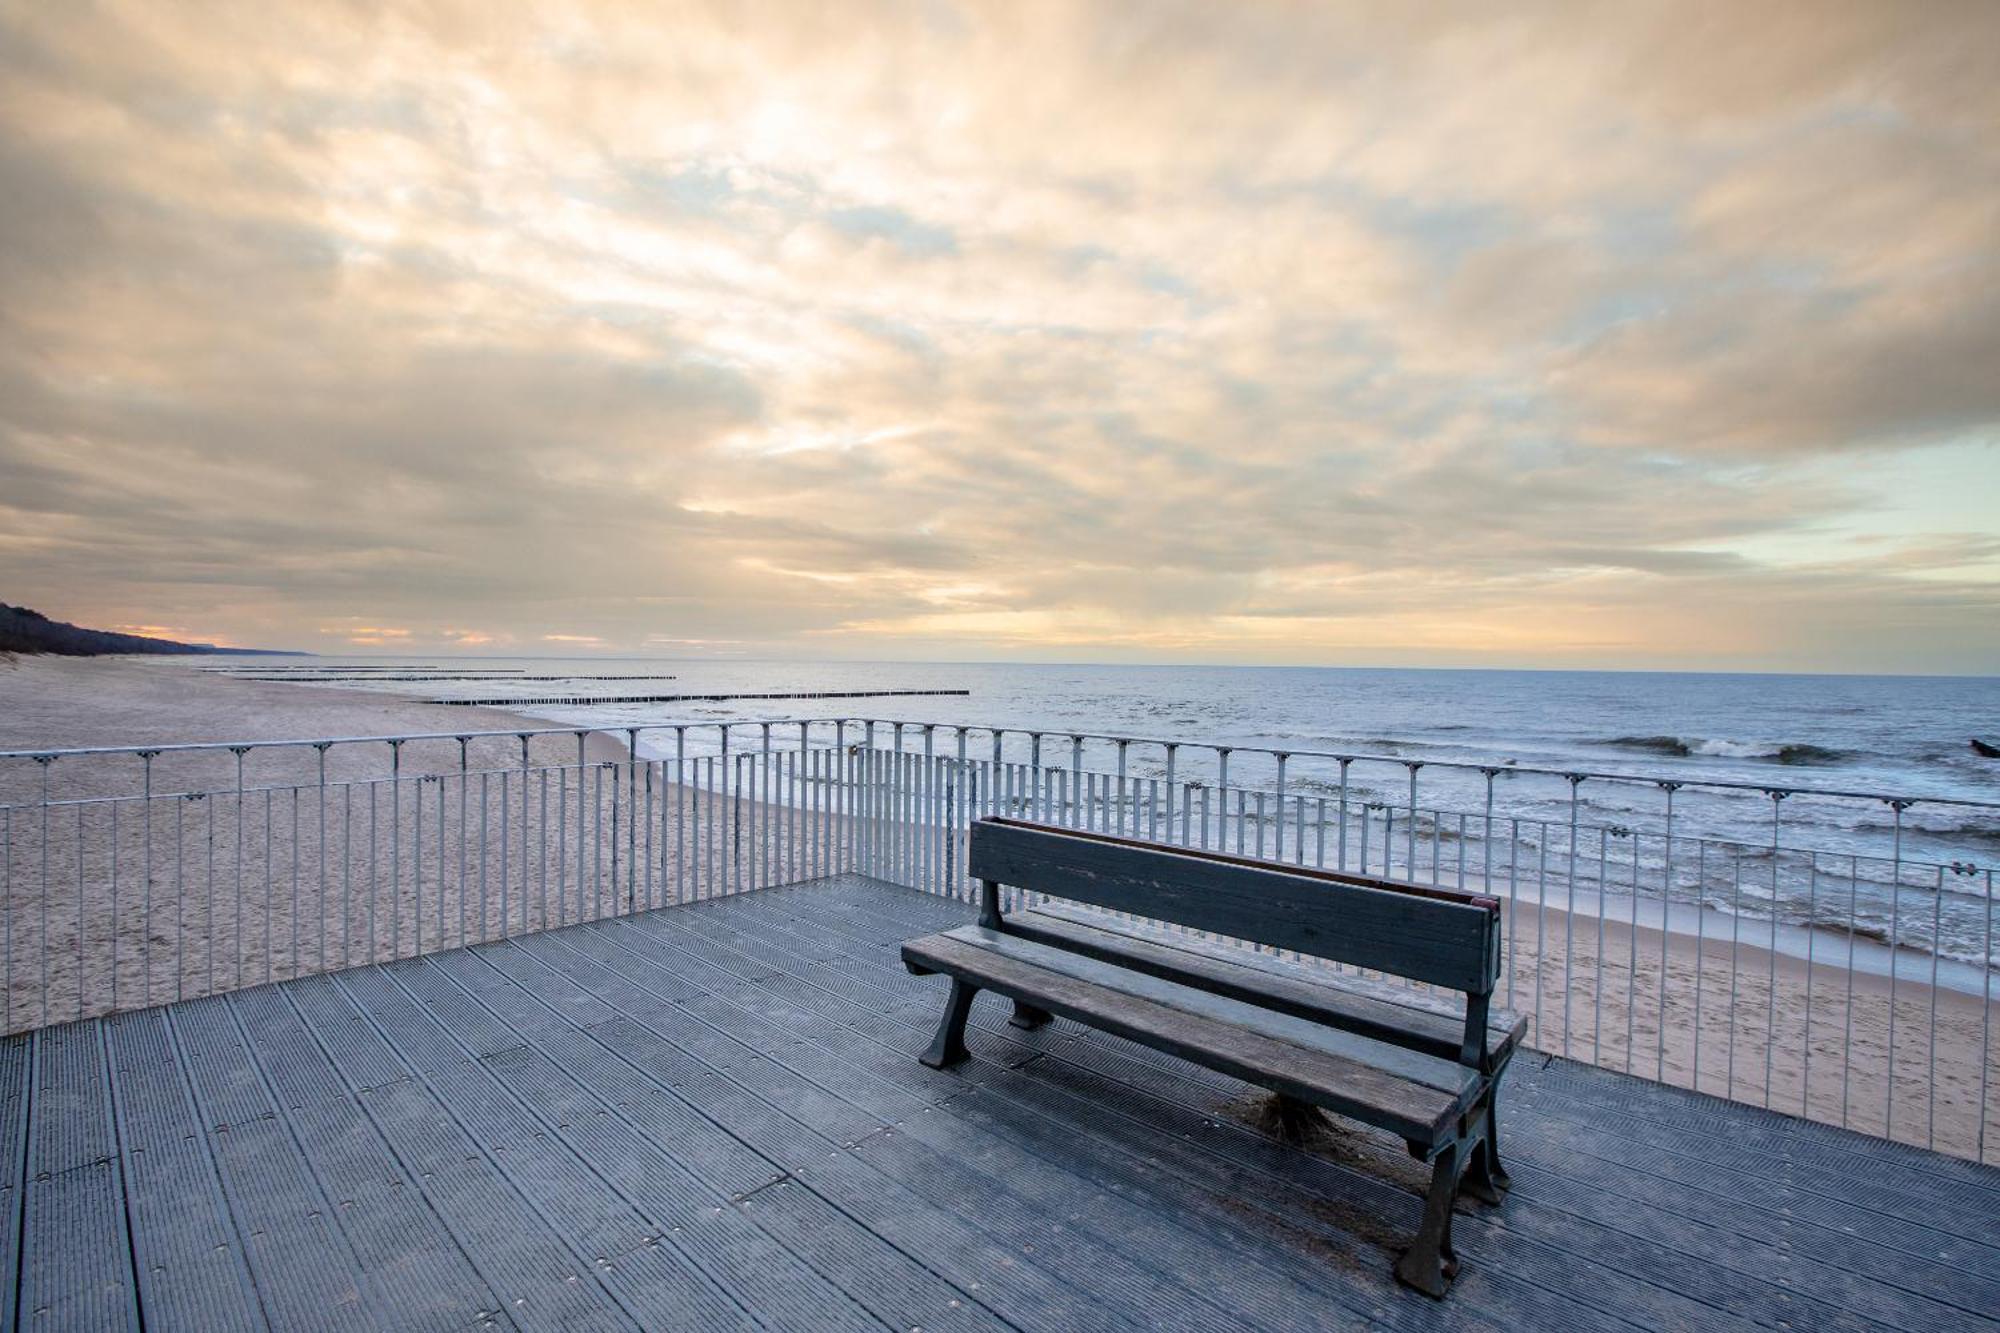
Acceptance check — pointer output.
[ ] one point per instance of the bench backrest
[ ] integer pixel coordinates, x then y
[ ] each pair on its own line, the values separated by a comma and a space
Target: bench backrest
1430, 935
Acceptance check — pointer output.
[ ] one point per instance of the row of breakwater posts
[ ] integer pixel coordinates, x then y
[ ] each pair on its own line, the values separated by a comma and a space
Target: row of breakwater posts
694, 698
496, 676
239, 668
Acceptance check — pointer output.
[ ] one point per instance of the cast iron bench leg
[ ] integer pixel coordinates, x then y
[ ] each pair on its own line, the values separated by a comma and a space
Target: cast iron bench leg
1488, 1158
1430, 1264
1493, 1167
1293, 1120
1484, 1180
1027, 1018
948, 1047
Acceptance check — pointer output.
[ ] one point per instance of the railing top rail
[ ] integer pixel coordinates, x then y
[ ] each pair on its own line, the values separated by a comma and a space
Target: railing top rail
725, 725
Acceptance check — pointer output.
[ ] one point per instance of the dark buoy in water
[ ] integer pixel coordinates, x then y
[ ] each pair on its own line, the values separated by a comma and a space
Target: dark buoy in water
1984, 750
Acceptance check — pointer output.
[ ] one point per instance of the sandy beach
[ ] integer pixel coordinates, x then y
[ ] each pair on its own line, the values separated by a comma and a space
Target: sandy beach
1767, 1029
288, 860
277, 879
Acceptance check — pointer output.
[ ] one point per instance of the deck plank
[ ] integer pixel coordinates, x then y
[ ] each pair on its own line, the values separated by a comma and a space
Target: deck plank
75, 1268
711, 1116
16, 1055
187, 1250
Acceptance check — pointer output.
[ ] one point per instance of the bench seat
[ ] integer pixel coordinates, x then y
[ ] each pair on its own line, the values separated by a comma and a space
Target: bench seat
1416, 1096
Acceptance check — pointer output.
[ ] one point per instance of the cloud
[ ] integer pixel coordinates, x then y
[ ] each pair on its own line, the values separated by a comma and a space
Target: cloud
369, 636
1278, 332
177, 632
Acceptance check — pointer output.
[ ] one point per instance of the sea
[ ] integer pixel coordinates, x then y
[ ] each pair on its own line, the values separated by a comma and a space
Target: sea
1832, 789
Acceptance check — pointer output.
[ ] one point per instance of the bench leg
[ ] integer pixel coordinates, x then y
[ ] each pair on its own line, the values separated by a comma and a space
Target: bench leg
948, 1047
1027, 1018
1484, 1180
1485, 1165
1292, 1120
1430, 1264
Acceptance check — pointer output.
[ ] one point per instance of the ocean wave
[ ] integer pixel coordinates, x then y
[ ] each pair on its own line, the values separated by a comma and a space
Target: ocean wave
1358, 792
1909, 942
1680, 747
1920, 821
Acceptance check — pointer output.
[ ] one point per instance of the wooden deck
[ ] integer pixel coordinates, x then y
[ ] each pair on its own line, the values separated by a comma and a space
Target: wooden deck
712, 1117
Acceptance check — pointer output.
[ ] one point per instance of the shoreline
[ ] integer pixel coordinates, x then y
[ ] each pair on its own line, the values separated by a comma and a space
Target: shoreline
1859, 949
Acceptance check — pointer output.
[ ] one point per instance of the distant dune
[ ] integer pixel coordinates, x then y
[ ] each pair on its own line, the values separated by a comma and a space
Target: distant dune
25, 631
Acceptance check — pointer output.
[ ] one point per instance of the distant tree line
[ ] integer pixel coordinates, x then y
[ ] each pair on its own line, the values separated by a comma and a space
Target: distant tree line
26, 631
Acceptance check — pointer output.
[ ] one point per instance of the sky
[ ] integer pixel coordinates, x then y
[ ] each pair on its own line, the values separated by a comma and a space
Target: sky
1346, 334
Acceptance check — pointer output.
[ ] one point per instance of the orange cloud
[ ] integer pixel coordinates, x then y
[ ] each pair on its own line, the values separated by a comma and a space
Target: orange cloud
156, 631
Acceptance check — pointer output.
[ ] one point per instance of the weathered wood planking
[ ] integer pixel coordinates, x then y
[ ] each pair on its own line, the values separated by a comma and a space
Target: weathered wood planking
1235, 1043
1421, 1022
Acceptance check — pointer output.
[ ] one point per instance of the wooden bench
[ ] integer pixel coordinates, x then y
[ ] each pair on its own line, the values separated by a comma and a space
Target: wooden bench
1424, 1067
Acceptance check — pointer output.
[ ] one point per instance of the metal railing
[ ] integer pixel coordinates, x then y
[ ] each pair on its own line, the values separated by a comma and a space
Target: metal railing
1818, 951
143, 875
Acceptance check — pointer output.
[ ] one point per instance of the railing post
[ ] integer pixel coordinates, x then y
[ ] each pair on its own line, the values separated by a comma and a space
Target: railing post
1896, 806
1122, 821
1666, 907
1035, 803
44, 761
1222, 796
632, 814
146, 758
1777, 796
237, 943
1076, 777
928, 810
1410, 834
541, 837
395, 850
1569, 915
870, 803
1278, 845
